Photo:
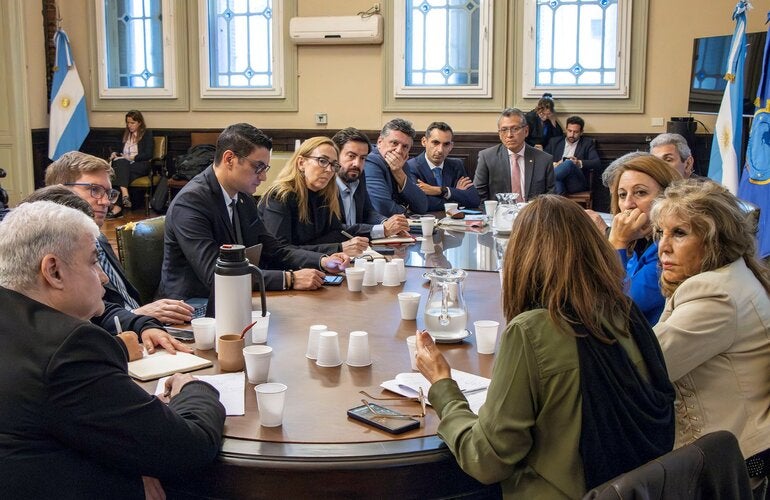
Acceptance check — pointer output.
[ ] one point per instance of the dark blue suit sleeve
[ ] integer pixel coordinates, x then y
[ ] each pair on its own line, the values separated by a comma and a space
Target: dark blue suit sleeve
590, 157
385, 198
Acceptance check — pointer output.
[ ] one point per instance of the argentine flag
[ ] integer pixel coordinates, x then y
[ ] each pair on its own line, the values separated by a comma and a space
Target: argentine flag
725, 164
68, 127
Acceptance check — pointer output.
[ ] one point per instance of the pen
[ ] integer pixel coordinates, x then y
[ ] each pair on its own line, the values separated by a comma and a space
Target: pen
347, 234
118, 328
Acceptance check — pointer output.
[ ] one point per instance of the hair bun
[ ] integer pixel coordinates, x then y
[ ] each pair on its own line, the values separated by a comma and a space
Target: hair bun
547, 95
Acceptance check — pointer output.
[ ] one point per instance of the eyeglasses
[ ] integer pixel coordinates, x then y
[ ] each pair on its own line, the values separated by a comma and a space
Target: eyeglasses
325, 162
509, 130
258, 166
98, 191
420, 399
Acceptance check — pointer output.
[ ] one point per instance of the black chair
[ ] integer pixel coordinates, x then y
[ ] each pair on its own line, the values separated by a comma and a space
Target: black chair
140, 250
157, 166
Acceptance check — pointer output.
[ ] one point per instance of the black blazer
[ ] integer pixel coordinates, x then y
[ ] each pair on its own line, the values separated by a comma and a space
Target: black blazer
197, 224
451, 172
585, 152
493, 172
74, 424
536, 133
366, 216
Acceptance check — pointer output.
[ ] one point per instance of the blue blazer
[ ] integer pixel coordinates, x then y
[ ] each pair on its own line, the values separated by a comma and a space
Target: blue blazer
642, 281
452, 171
386, 199
585, 152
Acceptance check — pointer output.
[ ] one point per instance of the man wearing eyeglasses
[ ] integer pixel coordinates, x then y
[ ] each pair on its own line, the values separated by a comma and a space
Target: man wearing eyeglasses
89, 177
513, 166
217, 207
392, 188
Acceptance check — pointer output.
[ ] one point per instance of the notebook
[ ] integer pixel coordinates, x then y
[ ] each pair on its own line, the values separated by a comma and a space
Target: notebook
162, 363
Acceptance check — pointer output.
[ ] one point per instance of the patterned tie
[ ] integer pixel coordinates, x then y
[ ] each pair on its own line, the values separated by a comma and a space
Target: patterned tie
516, 176
114, 278
236, 221
437, 175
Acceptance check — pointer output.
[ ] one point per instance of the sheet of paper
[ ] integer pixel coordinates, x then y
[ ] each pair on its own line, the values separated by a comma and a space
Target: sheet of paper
473, 386
230, 387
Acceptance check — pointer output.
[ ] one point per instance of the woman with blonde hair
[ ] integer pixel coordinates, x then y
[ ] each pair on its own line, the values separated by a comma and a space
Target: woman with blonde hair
579, 390
302, 206
715, 328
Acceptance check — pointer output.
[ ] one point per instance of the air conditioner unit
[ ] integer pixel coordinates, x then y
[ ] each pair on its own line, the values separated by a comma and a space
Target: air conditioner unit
336, 30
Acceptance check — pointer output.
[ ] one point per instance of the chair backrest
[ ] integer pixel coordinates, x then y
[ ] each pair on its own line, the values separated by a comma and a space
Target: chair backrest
140, 249
710, 468
159, 147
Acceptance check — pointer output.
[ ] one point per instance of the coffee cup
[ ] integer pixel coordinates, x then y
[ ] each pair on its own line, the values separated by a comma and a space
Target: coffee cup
230, 352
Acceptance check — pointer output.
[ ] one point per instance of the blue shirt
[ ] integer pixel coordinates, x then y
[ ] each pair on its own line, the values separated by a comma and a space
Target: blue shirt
642, 281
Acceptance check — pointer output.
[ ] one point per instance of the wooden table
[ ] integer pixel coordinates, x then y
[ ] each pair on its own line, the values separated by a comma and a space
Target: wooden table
319, 451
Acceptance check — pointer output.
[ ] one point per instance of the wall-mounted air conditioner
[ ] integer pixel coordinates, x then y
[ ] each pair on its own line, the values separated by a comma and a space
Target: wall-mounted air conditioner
336, 30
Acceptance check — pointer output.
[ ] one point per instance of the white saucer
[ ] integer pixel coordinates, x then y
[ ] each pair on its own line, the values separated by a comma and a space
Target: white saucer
451, 339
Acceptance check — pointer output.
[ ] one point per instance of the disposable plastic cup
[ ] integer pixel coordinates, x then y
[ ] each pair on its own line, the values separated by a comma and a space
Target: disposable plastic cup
411, 344
390, 275
328, 350
259, 330
370, 277
257, 358
450, 206
427, 224
379, 269
409, 303
355, 278
204, 332
271, 398
490, 206
401, 268
358, 349
312, 340
486, 336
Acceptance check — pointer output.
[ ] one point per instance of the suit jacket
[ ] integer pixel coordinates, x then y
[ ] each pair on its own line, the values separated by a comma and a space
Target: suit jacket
74, 424
451, 172
384, 192
585, 152
366, 216
493, 172
197, 224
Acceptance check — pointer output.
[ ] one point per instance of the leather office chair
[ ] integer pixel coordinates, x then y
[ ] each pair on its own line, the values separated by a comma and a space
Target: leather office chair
710, 468
140, 250
157, 165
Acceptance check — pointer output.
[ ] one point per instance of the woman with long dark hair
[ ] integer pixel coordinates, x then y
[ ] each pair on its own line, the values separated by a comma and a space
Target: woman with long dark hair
133, 161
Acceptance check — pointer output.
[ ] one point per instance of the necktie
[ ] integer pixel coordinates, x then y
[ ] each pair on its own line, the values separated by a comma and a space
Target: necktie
516, 176
437, 175
236, 222
350, 206
114, 277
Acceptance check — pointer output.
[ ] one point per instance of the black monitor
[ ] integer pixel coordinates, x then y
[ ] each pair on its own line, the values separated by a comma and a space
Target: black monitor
709, 61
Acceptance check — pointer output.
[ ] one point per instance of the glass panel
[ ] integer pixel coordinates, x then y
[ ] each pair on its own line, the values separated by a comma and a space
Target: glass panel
134, 45
240, 44
442, 42
576, 42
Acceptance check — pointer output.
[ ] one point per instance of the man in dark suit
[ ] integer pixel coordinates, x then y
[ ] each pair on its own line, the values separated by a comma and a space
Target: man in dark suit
392, 189
217, 207
441, 178
513, 160
89, 177
574, 156
74, 424
359, 217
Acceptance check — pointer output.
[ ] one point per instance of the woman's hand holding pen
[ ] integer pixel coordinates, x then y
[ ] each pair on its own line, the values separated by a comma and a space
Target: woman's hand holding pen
355, 246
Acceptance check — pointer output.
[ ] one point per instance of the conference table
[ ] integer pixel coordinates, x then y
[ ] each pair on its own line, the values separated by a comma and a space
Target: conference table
319, 451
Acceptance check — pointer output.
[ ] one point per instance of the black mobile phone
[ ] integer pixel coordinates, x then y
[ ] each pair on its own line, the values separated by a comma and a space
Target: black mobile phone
199, 304
333, 279
392, 425
180, 333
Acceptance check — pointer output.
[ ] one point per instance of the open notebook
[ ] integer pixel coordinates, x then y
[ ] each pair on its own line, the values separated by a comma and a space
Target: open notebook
162, 363
474, 387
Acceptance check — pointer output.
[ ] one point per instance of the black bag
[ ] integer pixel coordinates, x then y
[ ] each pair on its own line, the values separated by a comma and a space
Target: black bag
194, 162
160, 197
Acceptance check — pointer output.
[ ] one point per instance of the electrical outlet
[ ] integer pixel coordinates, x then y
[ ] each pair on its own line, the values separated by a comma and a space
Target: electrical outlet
321, 119
656, 122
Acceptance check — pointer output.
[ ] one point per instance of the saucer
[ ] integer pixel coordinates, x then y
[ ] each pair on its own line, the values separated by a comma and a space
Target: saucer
451, 339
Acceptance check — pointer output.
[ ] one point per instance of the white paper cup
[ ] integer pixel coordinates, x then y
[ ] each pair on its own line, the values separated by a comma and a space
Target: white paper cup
409, 303
427, 224
355, 278
312, 340
401, 268
204, 332
486, 336
379, 269
328, 350
257, 359
358, 349
426, 246
390, 277
259, 330
271, 398
490, 206
450, 206
411, 344
370, 277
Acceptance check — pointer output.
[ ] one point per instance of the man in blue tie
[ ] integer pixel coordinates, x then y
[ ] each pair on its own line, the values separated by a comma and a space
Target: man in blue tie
441, 178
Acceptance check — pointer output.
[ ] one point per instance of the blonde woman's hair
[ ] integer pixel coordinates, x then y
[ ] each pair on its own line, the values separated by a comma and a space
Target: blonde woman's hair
291, 181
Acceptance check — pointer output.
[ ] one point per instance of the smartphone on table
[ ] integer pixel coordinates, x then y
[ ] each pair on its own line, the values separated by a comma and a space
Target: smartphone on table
333, 279
396, 424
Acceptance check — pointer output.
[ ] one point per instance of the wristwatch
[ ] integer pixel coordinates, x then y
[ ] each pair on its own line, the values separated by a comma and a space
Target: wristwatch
444, 192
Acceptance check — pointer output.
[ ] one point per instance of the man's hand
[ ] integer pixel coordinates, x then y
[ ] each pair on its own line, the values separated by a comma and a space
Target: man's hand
153, 489
167, 311
174, 384
396, 164
135, 350
396, 224
429, 189
308, 279
154, 337
464, 183
355, 246
335, 263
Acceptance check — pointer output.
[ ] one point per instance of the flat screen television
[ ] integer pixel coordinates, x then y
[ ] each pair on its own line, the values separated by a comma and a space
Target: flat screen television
709, 61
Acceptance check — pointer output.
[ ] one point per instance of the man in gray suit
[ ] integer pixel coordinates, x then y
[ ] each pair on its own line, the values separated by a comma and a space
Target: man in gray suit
513, 162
